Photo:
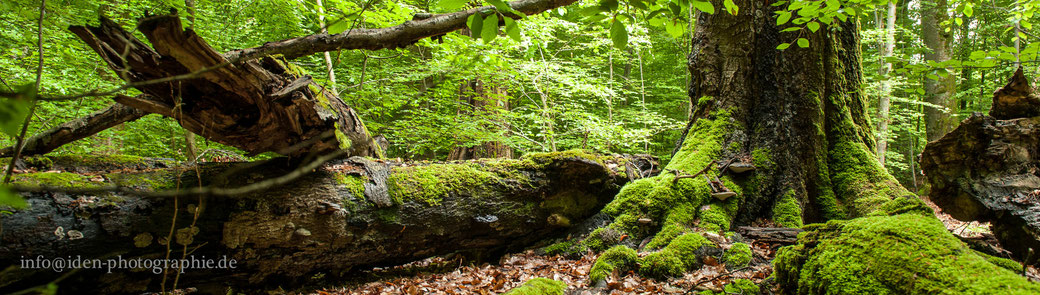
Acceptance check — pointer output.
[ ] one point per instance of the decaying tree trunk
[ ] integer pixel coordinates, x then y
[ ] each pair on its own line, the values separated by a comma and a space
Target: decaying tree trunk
480, 99
350, 213
798, 118
256, 105
987, 169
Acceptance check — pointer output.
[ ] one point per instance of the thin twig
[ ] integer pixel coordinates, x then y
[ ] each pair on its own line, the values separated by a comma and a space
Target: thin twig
32, 107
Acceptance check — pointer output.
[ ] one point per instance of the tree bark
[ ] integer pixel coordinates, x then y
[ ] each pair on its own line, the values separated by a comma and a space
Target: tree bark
77, 129
939, 92
349, 213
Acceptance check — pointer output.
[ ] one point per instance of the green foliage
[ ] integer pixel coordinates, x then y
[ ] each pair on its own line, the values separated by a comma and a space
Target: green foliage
738, 255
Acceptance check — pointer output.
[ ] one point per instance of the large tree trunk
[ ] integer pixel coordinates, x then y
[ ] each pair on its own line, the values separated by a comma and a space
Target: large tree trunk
939, 92
799, 116
350, 213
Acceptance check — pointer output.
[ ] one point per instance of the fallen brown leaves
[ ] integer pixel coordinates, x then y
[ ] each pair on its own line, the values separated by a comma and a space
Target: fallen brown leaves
516, 269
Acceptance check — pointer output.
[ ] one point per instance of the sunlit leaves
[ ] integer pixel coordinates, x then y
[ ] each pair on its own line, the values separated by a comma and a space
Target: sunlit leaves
783, 46
490, 30
475, 24
619, 34
450, 5
783, 18
813, 26
674, 29
338, 27
512, 29
706, 7
803, 43
731, 7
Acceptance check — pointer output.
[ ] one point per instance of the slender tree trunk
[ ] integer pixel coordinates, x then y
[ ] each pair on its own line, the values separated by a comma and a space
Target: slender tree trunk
887, 47
483, 101
328, 57
939, 91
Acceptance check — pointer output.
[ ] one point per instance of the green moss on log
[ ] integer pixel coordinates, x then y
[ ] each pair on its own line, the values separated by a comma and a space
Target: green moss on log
539, 286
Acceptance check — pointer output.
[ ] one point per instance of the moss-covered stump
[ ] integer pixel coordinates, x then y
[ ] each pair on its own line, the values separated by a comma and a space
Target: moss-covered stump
908, 253
539, 286
324, 223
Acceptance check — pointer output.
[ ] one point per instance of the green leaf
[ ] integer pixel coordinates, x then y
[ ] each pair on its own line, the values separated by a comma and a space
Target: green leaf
609, 5
476, 23
791, 29
12, 113
619, 34
783, 46
502, 6
675, 28
638, 4
731, 7
968, 10
803, 43
783, 18
338, 27
490, 30
813, 26
512, 29
833, 4
450, 5
703, 6
11, 199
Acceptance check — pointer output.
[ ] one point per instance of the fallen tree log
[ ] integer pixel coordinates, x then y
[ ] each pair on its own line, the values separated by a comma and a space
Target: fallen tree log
349, 213
987, 170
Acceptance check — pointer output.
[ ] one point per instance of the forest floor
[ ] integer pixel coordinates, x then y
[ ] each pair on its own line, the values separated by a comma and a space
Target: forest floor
443, 276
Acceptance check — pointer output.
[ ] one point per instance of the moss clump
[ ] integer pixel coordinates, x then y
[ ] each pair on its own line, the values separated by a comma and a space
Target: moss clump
739, 254
159, 180
97, 160
903, 254
355, 185
567, 249
430, 183
685, 248
661, 265
665, 236
54, 179
787, 212
761, 159
618, 258
539, 286
742, 286
601, 239
547, 158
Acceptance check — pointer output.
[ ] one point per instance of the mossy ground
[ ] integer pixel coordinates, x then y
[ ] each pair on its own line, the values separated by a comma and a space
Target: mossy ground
909, 253
618, 258
539, 286
738, 255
